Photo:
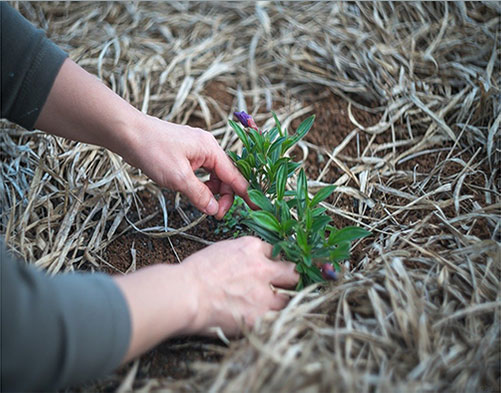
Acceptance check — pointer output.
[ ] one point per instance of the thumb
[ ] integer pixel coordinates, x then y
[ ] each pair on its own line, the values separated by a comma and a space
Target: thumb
199, 194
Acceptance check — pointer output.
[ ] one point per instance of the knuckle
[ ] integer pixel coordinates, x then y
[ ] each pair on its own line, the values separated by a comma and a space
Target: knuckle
178, 177
208, 137
251, 241
201, 196
261, 268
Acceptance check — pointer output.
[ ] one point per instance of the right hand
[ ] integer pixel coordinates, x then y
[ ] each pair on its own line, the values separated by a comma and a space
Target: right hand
231, 280
170, 153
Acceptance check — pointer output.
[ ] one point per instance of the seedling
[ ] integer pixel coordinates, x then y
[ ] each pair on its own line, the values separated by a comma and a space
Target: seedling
232, 220
295, 225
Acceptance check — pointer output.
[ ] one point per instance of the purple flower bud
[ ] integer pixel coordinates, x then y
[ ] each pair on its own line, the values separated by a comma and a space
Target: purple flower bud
328, 272
242, 118
245, 119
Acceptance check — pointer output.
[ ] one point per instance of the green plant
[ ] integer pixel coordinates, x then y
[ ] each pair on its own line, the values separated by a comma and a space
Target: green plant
295, 224
232, 220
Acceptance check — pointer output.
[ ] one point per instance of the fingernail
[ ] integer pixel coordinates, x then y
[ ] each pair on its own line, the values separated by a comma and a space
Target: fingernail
212, 207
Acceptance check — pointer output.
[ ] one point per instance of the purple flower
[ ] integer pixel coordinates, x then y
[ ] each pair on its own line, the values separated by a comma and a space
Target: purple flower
245, 119
328, 272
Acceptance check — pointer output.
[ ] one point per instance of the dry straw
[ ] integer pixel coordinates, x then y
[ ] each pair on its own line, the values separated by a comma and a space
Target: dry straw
420, 311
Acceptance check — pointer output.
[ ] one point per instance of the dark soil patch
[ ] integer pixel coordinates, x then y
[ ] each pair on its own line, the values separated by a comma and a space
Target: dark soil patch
219, 92
332, 125
149, 250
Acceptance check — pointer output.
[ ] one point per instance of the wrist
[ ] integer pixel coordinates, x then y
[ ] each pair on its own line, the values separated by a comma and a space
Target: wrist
127, 132
187, 298
161, 305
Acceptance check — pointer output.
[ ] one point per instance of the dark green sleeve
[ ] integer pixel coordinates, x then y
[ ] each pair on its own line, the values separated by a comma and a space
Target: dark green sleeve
29, 65
58, 331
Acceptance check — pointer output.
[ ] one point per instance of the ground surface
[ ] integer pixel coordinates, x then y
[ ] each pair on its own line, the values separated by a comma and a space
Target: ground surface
406, 98
174, 358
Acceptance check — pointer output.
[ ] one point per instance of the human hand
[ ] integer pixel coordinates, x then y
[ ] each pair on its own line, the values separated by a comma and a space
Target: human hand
169, 153
231, 280
223, 285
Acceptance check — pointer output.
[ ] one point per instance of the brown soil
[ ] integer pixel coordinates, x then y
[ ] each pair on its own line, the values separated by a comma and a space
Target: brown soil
331, 127
220, 93
173, 358
150, 250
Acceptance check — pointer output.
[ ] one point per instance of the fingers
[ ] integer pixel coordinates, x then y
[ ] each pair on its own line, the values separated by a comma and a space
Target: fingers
279, 302
225, 200
267, 250
199, 194
229, 174
225, 192
284, 275
214, 184
224, 169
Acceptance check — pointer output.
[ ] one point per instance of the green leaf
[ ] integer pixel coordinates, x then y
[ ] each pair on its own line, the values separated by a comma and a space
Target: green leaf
301, 192
341, 252
302, 185
272, 134
300, 284
266, 235
275, 147
257, 138
307, 260
305, 126
321, 253
281, 181
316, 239
319, 223
276, 250
321, 195
261, 200
288, 225
291, 202
244, 168
292, 251
318, 211
301, 131
266, 145
233, 156
281, 161
314, 273
284, 211
251, 160
240, 133
291, 168
266, 220
261, 158
301, 239
277, 123
308, 219
347, 234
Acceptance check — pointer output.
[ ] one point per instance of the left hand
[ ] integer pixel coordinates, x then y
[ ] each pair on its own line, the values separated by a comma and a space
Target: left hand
169, 154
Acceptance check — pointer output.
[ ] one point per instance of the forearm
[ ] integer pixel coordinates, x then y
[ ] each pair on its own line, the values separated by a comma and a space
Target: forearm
81, 108
60, 330
162, 303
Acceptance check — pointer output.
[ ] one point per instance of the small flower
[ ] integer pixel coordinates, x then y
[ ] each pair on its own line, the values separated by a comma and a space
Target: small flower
328, 272
245, 119
252, 124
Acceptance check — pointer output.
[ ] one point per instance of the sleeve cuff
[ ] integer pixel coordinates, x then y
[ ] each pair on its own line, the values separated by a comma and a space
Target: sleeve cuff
38, 83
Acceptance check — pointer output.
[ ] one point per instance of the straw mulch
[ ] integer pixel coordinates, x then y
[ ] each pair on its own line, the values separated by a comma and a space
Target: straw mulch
419, 309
